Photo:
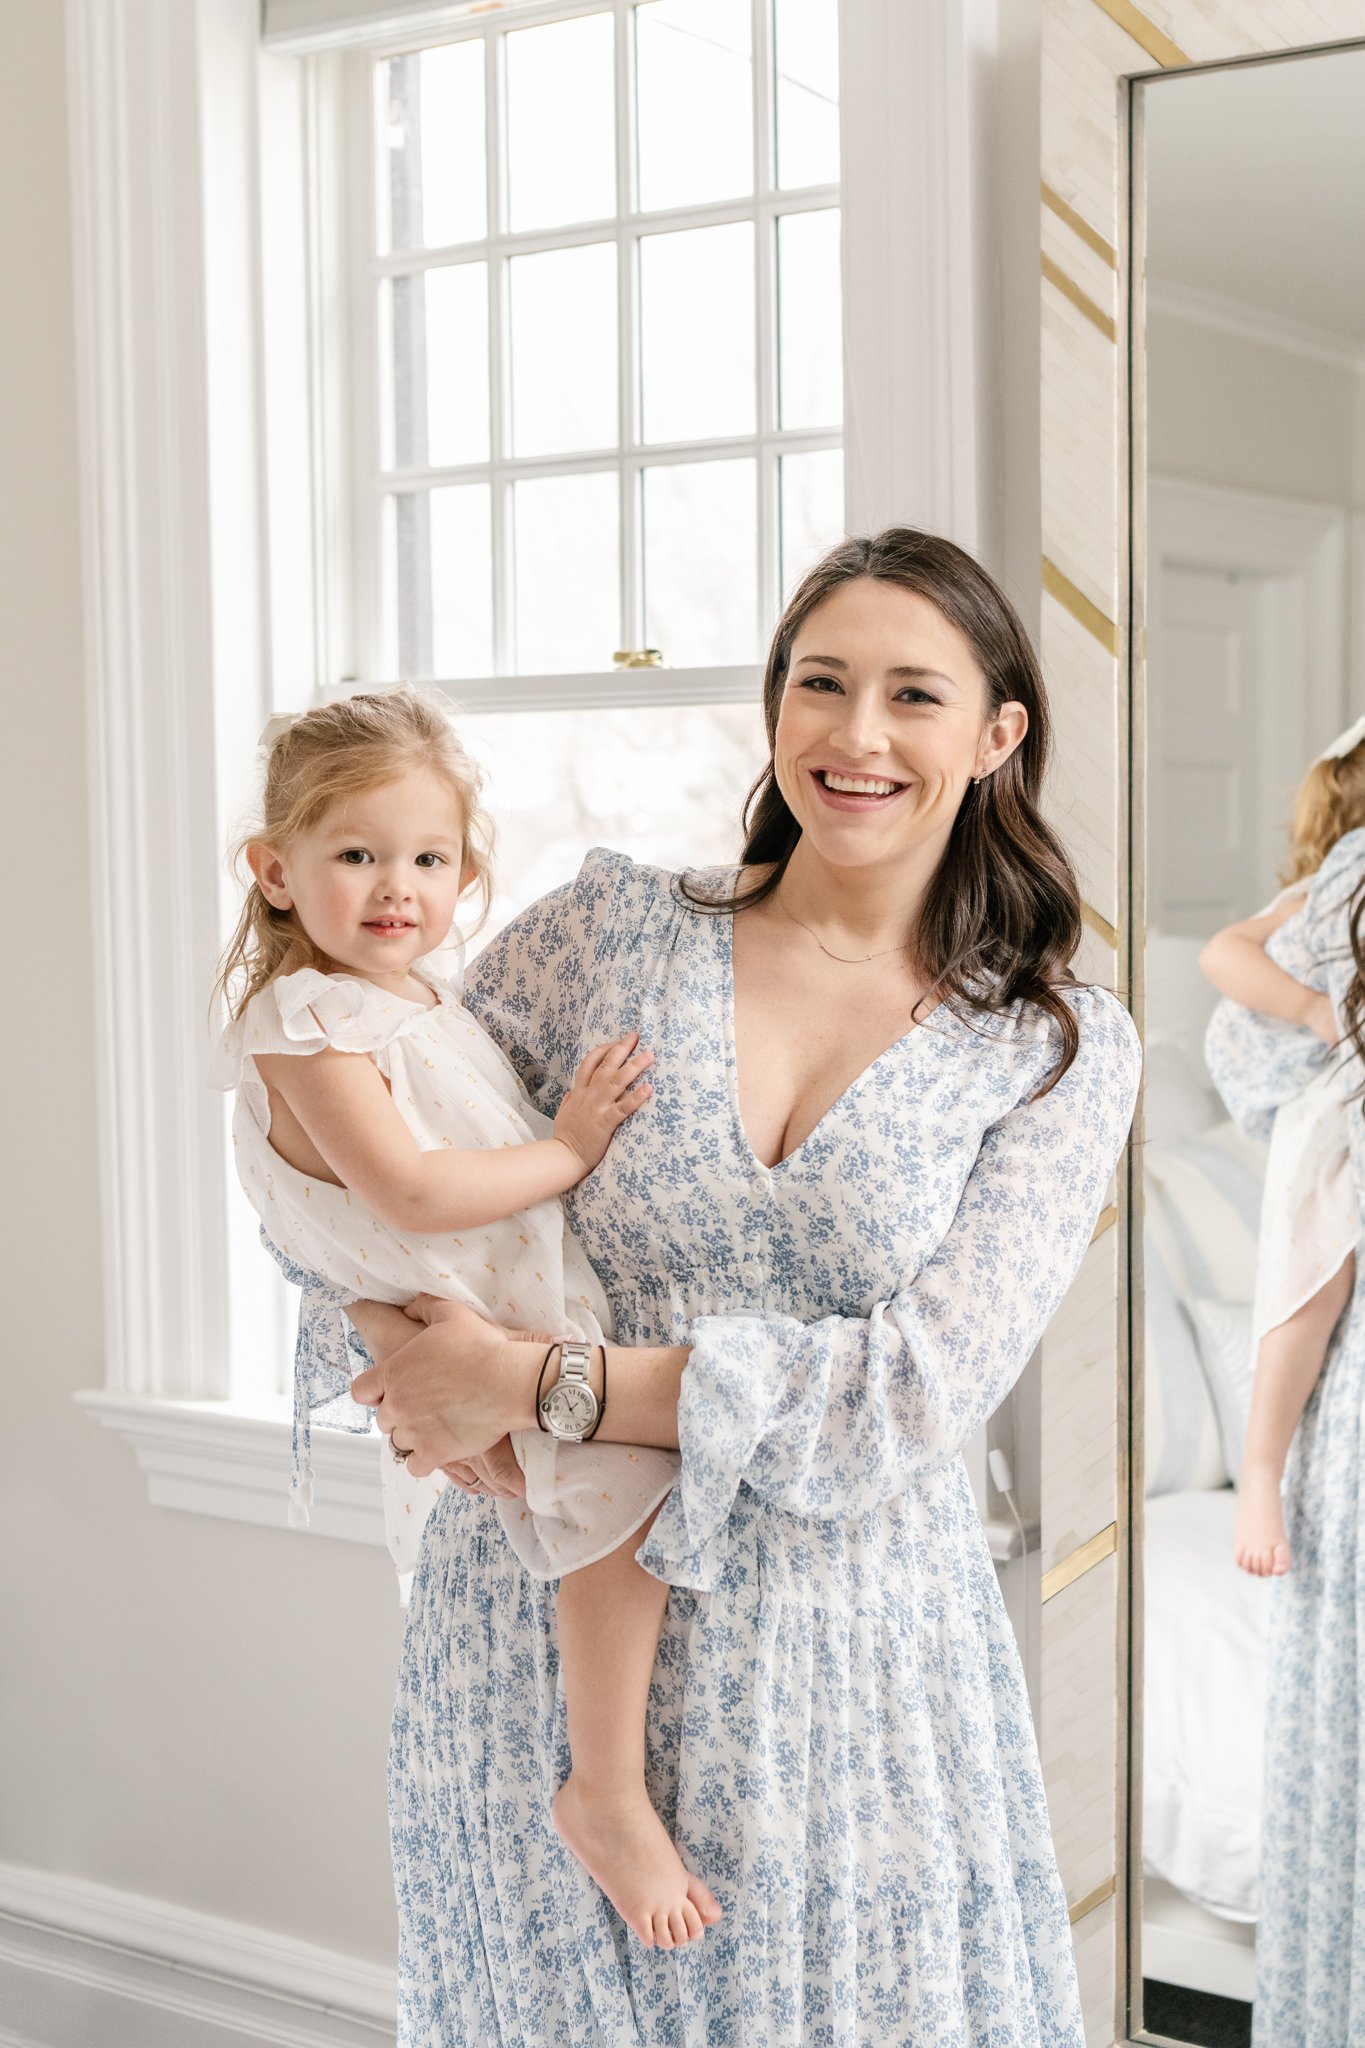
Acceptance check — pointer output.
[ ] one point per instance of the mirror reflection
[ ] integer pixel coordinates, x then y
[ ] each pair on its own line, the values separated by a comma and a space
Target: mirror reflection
1253, 178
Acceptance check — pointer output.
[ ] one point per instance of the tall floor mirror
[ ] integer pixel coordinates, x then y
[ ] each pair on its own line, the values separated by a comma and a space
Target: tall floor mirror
1248, 181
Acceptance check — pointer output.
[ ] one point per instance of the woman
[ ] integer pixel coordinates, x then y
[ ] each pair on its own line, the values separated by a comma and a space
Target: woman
1312, 1904
884, 1122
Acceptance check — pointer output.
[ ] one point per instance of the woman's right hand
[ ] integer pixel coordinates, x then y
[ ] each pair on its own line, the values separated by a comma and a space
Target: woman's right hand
454, 1391
495, 1470
603, 1095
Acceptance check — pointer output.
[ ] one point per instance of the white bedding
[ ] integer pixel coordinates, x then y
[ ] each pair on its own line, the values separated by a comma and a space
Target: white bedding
1204, 1637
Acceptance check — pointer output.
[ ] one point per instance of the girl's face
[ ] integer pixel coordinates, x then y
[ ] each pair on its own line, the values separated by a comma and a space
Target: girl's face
375, 882
882, 725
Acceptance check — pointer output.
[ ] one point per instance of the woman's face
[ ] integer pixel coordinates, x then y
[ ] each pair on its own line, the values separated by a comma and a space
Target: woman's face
882, 725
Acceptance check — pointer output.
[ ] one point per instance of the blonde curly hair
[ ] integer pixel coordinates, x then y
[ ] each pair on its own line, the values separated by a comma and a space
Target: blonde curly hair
1330, 803
340, 750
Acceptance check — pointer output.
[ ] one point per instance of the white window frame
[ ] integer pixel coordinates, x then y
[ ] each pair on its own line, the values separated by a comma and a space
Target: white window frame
605, 688
186, 528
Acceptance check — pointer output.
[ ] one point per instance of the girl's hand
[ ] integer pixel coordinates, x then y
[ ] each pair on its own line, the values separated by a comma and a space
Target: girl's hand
603, 1095
454, 1391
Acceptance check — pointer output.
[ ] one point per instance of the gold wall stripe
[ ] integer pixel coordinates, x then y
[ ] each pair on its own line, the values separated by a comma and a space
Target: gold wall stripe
1106, 1220
1081, 1561
1092, 1899
1079, 226
1069, 289
1152, 39
1080, 607
1099, 925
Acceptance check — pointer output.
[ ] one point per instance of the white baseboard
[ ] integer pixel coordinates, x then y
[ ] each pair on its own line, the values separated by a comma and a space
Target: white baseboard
83, 1965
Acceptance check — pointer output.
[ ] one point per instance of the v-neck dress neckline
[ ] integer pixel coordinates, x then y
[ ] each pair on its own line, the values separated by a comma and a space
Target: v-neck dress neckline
940, 1014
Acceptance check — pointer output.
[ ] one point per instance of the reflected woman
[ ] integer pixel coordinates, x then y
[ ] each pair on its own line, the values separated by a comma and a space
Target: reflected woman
1310, 1990
884, 1122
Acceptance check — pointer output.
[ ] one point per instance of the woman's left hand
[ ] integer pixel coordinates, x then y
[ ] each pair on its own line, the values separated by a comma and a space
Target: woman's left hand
453, 1392
494, 1471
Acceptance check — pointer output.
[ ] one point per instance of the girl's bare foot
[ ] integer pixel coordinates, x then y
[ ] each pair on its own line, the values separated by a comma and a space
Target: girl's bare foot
624, 1847
1261, 1543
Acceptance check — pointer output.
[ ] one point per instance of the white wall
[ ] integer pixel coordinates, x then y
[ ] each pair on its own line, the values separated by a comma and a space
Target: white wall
1225, 408
192, 1709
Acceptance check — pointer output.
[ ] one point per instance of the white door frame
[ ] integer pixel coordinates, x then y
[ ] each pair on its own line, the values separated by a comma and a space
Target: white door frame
1213, 527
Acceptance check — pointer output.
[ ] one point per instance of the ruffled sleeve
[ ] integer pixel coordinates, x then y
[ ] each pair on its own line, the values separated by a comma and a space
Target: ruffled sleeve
1259, 1062
829, 1419
303, 1013
532, 985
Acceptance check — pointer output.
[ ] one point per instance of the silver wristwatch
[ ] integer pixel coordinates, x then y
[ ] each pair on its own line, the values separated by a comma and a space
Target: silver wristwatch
570, 1407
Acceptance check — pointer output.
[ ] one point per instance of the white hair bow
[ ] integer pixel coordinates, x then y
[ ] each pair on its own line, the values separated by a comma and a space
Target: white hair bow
277, 723
1345, 742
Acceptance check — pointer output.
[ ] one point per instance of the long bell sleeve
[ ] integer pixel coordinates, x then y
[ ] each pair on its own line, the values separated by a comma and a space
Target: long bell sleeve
833, 1417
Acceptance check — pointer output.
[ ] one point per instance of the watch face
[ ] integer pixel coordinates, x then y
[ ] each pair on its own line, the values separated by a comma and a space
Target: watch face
568, 1408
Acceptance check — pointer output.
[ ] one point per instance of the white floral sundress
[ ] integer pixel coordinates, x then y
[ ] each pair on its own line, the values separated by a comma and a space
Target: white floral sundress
839, 1733
1310, 1938
452, 1088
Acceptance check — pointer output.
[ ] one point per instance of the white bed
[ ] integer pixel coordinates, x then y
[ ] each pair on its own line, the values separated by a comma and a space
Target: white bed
1204, 1694
1204, 1627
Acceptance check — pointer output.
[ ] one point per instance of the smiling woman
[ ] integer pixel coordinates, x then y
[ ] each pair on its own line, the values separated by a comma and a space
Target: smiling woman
884, 1119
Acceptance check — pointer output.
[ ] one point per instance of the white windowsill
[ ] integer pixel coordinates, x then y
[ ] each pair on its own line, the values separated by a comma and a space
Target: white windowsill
229, 1459
232, 1460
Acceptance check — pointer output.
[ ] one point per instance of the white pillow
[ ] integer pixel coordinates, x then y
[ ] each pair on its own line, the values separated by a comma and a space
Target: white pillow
1224, 1332
1182, 1440
1178, 1099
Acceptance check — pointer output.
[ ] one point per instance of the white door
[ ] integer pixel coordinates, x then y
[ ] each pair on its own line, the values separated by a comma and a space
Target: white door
1206, 662
1245, 685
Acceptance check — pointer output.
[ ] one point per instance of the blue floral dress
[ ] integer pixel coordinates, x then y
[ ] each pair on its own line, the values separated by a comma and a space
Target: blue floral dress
839, 1734
1312, 1919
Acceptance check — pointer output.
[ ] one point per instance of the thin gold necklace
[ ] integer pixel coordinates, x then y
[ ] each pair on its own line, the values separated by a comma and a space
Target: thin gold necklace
844, 959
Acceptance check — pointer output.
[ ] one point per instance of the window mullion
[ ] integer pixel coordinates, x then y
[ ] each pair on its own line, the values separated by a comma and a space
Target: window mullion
765, 339
499, 358
375, 632
628, 331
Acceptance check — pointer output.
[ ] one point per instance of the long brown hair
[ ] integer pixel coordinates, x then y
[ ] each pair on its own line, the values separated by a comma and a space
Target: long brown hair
338, 750
1001, 917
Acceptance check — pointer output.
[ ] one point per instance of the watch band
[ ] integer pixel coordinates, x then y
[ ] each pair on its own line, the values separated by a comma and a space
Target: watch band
574, 1359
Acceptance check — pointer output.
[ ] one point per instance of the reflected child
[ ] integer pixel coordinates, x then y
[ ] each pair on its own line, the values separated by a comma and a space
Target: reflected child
1310, 1216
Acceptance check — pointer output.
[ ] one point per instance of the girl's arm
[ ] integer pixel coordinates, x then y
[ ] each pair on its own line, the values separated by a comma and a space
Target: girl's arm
1236, 962
344, 1106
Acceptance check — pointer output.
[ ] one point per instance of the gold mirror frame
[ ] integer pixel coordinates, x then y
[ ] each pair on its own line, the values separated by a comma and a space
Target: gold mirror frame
1093, 647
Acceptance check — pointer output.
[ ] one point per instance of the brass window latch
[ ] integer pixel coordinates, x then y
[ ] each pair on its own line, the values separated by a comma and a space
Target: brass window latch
638, 657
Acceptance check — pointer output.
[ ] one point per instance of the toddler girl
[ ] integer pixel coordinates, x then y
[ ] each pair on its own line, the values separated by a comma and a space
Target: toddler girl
1310, 1216
390, 1150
